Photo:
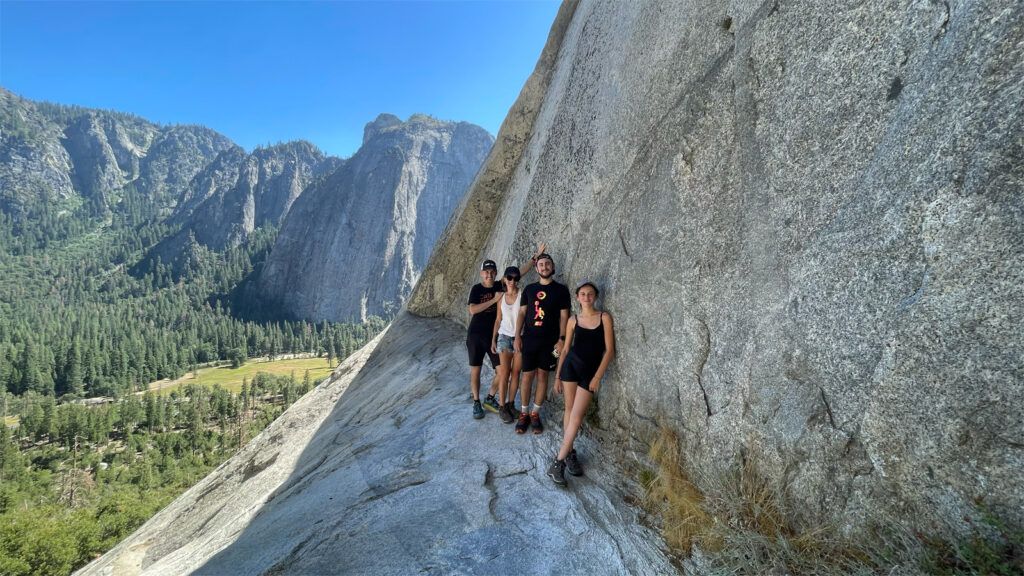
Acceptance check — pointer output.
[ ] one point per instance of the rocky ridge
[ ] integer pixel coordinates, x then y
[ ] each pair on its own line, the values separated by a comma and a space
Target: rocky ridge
53, 153
237, 193
391, 200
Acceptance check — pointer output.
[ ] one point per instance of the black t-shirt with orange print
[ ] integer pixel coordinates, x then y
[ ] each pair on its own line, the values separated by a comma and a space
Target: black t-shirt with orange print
543, 310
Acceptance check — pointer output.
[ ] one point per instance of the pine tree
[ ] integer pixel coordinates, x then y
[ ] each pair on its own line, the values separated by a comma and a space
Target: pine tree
73, 381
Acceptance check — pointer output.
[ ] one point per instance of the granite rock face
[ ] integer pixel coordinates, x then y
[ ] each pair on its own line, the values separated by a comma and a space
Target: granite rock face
177, 154
239, 192
367, 475
808, 221
50, 152
268, 182
33, 164
354, 243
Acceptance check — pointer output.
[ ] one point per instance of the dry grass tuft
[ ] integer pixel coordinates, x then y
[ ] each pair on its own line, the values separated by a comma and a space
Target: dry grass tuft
742, 524
677, 499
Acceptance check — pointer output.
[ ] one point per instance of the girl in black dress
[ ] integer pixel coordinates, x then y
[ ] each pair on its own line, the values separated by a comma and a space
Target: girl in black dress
589, 348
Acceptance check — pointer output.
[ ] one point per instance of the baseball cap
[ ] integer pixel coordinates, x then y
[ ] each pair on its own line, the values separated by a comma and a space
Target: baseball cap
489, 265
512, 271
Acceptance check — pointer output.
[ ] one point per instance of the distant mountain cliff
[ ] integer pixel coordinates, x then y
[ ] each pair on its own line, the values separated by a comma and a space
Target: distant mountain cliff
354, 243
380, 212
51, 154
239, 192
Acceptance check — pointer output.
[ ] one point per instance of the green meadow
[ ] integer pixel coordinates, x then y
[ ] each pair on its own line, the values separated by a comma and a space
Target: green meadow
231, 378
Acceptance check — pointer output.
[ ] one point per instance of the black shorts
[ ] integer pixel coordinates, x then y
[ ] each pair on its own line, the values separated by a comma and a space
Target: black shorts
479, 345
538, 356
574, 369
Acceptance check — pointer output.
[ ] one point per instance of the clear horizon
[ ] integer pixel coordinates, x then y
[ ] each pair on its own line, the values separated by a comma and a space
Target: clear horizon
268, 72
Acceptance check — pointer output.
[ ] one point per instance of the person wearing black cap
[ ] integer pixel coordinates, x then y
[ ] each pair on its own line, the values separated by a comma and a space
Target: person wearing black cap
588, 349
540, 329
483, 310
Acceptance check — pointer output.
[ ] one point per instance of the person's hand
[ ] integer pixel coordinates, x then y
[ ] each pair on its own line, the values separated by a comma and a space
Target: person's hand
518, 345
541, 248
494, 347
594, 385
558, 386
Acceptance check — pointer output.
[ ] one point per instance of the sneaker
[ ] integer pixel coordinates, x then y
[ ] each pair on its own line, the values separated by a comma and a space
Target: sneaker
557, 472
535, 423
478, 410
523, 423
572, 464
512, 410
490, 403
504, 415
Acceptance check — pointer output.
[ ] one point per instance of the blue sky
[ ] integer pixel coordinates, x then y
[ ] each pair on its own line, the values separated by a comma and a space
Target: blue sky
263, 72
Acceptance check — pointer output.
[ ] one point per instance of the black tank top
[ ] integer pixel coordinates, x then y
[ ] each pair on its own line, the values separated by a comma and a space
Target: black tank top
588, 343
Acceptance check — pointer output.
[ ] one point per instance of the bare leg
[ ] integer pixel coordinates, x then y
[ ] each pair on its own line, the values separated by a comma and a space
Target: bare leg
517, 366
527, 383
542, 387
569, 389
474, 381
494, 383
579, 410
503, 370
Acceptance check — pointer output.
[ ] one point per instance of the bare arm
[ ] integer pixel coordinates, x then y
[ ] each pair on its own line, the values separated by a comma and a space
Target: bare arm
570, 329
494, 333
528, 266
520, 321
478, 308
609, 351
563, 319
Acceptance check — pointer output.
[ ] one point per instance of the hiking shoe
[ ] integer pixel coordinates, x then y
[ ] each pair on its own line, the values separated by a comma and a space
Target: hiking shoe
490, 403
523, 423
478, 410
572, 464
557, 472
503, 413
535, 423
512, 410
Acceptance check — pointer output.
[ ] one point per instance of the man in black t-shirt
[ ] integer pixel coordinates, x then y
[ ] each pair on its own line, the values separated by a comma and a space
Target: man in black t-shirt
483, 311
543, 314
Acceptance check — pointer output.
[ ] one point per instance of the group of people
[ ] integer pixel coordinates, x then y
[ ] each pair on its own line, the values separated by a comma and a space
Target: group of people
527, 332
